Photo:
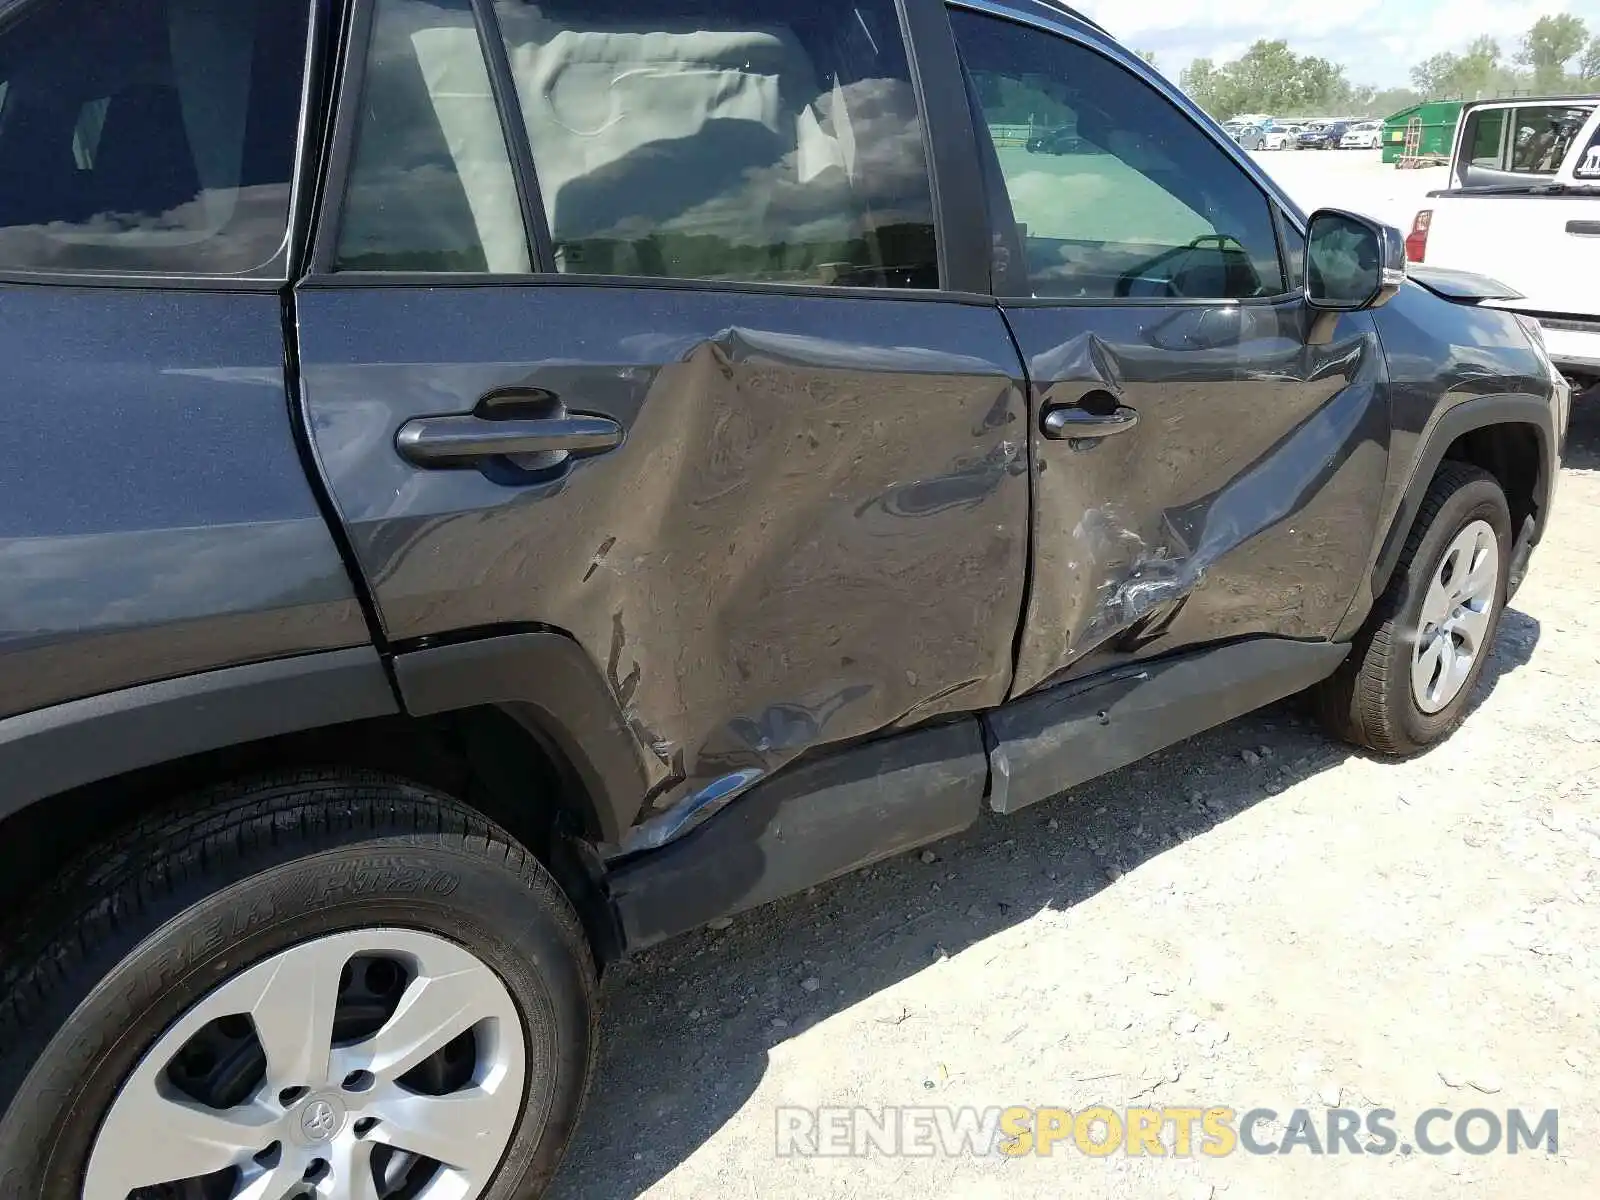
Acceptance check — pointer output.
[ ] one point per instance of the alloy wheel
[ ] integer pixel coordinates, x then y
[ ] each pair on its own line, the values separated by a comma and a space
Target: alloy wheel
375, 1064
1456, 614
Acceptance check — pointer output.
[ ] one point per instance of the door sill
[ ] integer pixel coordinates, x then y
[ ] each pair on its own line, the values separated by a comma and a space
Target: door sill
808, 824
1042, 744
832, 815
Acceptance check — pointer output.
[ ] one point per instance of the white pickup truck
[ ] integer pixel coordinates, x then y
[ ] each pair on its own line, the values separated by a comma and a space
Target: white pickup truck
1523, 207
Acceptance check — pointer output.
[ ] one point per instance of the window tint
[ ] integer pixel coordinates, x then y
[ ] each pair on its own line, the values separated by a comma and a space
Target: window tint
1294, 252
149, 135
1541, 137
431, 186
1115, 193
725, 139
1485, 131
1588, 163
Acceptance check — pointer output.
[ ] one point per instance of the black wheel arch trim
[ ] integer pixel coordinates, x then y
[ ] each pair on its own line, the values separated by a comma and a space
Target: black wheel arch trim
53, 750
1478, 413
548, 684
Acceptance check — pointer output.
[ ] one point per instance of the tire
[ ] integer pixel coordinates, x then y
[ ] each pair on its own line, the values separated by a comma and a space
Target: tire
196, 908
1372, 701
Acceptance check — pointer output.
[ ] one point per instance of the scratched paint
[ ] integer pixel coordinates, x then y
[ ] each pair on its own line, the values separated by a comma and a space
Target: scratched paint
1257, 462
815, 528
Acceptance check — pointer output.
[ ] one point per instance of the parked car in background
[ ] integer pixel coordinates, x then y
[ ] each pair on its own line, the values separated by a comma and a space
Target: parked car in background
1249, 135
1324, 137
1523, 207
455, 534
1055, 141
1282, 137
1364, 135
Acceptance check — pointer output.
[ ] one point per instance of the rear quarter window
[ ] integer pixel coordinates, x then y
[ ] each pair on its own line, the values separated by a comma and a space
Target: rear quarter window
149, 136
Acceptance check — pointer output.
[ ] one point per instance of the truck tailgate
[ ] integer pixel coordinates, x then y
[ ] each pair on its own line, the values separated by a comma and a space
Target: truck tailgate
1545, 246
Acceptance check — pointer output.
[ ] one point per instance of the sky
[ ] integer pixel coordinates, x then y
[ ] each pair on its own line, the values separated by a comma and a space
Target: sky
1377, 41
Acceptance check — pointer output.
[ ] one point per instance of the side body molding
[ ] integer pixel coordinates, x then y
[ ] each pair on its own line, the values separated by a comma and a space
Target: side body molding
817, 820
549, 685
1044, 743
54, 749
1477, 413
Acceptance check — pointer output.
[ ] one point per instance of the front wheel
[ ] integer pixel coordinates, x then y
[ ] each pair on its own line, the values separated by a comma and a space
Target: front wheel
317, 986
1411, 671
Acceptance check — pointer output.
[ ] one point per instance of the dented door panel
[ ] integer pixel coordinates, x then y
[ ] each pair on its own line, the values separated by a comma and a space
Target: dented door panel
814, 529
1242, 502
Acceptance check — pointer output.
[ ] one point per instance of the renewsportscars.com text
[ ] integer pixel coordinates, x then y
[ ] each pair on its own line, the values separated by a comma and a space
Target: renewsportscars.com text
1172, 1131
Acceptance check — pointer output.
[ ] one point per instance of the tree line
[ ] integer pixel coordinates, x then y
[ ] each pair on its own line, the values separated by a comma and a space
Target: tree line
1558, 55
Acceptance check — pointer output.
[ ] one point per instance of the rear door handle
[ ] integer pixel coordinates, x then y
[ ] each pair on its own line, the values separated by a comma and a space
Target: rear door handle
1070, 421
455, 441
1584, 228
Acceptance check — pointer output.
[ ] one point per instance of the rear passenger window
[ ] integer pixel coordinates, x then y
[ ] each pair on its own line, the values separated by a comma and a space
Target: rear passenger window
1541, 137
431, 186
149, 135
761, 140
1484, 135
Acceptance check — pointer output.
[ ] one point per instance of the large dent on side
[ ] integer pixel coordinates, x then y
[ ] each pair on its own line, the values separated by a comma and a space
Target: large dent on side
765, 515
816, 526
1230, 507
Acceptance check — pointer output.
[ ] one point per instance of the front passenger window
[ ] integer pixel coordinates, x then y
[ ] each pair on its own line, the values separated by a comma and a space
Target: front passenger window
1115, 193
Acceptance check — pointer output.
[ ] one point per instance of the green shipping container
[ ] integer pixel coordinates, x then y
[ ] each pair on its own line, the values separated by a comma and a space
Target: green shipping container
1439, 121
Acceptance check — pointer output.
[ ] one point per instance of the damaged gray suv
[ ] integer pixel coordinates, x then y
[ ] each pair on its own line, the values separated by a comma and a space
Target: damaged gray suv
490, 485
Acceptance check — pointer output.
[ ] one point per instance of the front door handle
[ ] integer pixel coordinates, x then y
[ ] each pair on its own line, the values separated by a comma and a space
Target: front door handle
1070, 421
456, 441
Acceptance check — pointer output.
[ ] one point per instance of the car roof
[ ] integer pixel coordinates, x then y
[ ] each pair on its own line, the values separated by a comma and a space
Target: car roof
1054, 10
1060, 13
1585, 100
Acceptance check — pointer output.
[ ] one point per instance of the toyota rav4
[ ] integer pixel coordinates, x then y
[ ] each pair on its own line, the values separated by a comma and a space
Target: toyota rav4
490, 485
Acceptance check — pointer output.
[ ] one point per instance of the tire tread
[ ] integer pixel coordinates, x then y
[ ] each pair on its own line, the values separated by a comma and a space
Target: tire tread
218, 832
1351, 703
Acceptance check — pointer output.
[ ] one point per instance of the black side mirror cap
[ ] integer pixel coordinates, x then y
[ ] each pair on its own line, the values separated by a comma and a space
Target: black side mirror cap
1352, 262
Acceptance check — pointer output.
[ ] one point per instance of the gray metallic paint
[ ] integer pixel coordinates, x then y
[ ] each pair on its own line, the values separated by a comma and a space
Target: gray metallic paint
1454, 367
1241, 504
1442, 354
815, 529
155, 518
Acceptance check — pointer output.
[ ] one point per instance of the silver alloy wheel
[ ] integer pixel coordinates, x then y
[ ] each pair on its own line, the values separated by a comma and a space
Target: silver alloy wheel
313, 1124
1455, 616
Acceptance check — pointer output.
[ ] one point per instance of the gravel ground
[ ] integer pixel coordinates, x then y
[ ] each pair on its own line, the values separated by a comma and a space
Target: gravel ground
1256, 918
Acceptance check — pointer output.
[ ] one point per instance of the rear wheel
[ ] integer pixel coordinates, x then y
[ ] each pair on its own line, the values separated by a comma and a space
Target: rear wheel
312, 987
1411, 671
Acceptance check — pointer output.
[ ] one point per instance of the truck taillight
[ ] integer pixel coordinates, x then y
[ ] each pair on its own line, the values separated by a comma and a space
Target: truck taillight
1417, 239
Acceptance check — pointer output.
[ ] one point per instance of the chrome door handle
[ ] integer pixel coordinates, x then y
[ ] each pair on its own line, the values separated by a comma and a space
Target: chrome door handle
455, 441
1070, 421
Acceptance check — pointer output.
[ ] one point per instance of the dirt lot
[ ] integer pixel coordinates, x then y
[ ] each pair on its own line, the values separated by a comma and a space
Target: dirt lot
1257, 917
1355, 179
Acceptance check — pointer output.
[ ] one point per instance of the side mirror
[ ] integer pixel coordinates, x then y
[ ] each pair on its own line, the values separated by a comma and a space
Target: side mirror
1352, 262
